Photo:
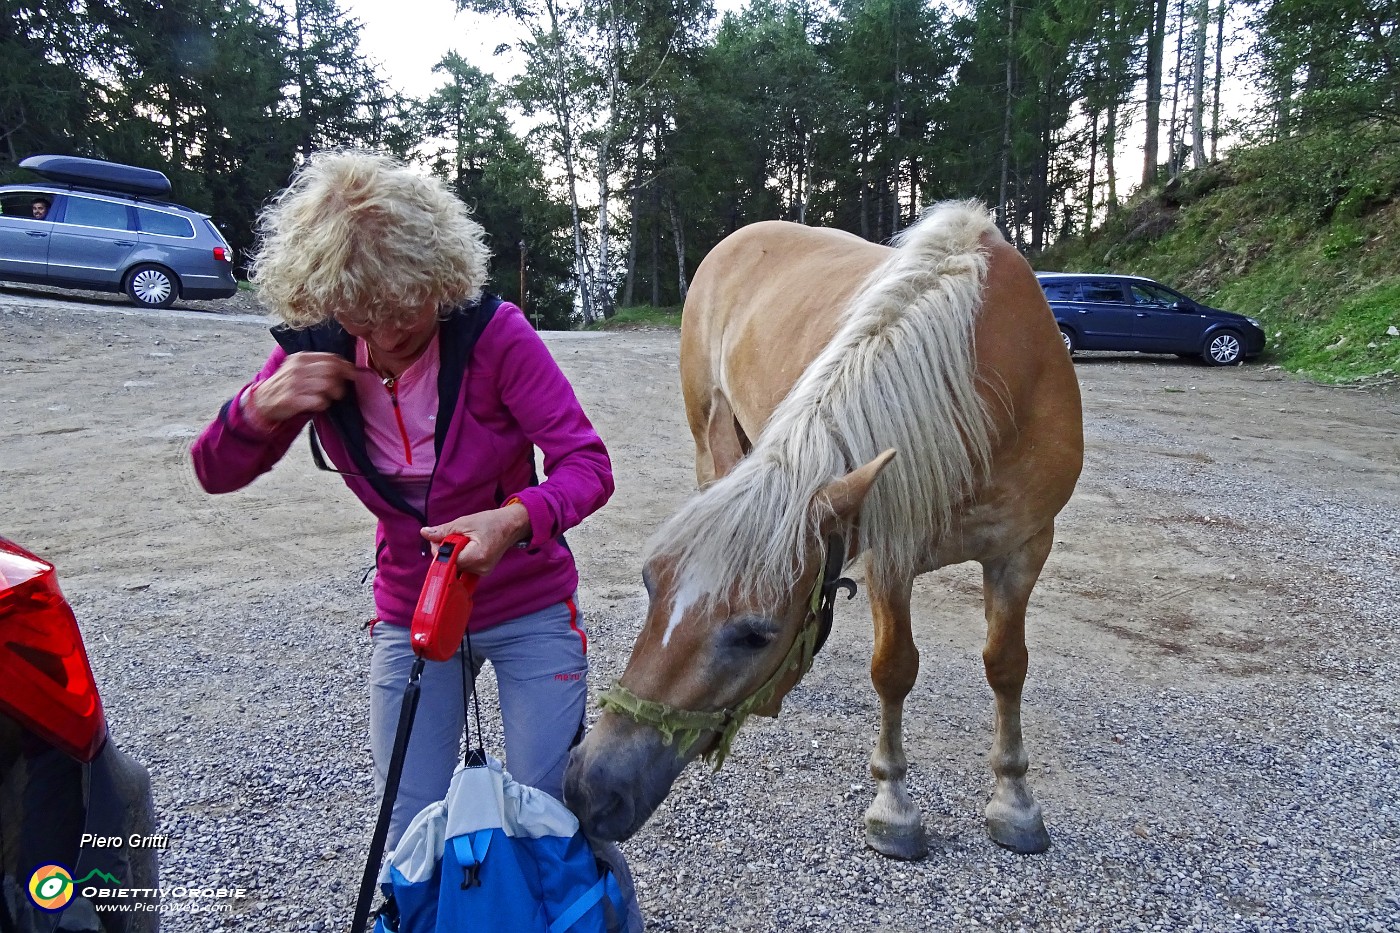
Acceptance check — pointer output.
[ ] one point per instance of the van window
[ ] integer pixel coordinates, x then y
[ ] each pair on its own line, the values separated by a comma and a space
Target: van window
91, 212
1103, 291
1061, 291
163, 223
1151, 295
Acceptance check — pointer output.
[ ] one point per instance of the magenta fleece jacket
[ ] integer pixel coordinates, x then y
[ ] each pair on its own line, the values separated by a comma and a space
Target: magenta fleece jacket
511, 397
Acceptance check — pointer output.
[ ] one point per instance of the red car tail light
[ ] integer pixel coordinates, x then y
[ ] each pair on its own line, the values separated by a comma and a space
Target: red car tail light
46, 682
223, 254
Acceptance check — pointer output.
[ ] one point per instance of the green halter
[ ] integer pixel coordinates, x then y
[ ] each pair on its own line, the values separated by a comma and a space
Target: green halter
684, 726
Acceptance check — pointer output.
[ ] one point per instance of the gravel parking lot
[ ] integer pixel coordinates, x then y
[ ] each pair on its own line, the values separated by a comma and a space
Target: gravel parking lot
1211, 712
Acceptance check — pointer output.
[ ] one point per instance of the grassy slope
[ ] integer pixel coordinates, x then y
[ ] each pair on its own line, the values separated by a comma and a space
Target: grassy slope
1305, 238
640, 316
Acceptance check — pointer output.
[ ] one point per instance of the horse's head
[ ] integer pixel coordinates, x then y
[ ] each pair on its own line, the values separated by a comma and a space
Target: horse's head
707, 658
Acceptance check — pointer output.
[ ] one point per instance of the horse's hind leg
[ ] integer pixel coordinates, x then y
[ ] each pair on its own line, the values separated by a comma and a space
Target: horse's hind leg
893, 825
1013, 817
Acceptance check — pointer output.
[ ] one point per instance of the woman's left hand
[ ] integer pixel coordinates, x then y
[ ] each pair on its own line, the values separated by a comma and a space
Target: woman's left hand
490, 535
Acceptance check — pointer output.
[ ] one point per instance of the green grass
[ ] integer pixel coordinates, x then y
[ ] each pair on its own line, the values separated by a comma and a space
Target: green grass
640, 316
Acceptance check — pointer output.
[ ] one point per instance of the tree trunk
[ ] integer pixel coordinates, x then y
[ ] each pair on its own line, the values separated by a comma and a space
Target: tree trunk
801, 181
1198, 84
1175, 132
563, 115
634, 226
864, 181
1002, 219
305, 121
1219, 76
678, 237
1093, 170
604, 277
1156, 45
604, 270
655, 243
1110, 146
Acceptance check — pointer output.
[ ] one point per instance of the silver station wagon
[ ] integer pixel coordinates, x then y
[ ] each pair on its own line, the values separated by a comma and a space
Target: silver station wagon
104, 226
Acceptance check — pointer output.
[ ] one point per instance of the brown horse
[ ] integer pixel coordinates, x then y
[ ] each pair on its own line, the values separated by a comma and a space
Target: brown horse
809, 359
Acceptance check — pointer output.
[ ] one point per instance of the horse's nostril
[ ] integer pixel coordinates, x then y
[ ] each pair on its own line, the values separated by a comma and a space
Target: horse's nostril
612, 821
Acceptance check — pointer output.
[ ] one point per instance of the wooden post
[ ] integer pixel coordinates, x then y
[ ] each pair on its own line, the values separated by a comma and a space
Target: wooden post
522, 282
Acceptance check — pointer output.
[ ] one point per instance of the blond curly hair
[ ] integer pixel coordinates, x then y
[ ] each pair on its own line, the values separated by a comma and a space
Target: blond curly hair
359, 233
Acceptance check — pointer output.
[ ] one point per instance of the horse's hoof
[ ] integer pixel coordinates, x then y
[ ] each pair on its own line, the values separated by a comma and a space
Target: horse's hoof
902, 842
1024, 836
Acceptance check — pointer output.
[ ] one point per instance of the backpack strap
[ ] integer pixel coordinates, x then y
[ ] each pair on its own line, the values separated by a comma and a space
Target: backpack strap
583, 905
471, 853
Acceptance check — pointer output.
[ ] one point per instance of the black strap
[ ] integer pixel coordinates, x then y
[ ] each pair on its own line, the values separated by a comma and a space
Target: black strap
832, 583
471, 705
391, 792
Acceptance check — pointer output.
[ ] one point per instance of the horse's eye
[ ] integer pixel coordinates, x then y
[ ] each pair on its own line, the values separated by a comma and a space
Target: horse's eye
754, 635
756, 640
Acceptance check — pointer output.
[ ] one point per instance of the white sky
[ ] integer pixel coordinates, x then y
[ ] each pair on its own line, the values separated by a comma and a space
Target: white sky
408, 37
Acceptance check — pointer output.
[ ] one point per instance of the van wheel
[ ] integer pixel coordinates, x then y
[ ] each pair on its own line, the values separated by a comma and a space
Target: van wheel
1222, 348
151, 286
1068, 339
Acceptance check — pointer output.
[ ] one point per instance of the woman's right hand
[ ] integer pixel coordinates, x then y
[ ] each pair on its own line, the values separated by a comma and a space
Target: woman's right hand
305, 383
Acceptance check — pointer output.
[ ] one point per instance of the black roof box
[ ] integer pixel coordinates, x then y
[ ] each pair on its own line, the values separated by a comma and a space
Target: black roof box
95, 173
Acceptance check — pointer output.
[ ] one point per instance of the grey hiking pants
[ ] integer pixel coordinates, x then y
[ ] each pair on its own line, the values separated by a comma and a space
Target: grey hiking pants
541, 669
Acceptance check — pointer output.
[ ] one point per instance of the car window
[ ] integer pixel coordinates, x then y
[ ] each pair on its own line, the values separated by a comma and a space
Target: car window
1061, 291
1148, 295
21, 203
1102, 291
215, 230
91, 212
163, 223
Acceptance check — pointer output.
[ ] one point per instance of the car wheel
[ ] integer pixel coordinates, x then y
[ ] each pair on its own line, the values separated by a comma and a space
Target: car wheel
1223, 348
1068, 339
151, 286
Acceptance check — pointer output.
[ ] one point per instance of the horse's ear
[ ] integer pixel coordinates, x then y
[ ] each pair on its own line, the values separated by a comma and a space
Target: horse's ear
722, 435
846, 495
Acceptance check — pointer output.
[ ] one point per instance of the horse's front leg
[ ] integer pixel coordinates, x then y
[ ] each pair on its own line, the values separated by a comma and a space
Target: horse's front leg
1013, 817
893, 825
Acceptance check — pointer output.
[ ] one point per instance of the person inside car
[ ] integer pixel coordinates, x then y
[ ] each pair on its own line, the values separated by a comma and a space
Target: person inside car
39, 209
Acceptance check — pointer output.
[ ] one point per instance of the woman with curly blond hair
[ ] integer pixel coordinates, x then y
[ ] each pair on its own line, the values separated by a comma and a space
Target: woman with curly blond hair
429, 398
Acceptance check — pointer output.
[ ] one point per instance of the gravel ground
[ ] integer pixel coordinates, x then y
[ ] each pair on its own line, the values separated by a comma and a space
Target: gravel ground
1211, 713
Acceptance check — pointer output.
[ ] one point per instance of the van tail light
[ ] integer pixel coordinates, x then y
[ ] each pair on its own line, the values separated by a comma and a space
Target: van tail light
223, 254
46, 682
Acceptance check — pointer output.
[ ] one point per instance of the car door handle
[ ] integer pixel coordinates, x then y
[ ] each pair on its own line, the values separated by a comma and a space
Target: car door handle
1082, 310
122, 242
1142, 314
36, 233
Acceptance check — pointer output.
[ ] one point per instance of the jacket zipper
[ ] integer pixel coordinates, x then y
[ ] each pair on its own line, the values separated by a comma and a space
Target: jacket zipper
391, 385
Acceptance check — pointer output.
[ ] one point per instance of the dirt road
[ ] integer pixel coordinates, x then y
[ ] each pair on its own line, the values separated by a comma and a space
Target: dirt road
1211, 714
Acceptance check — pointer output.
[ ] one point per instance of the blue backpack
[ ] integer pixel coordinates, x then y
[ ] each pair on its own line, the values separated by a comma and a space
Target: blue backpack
495, 855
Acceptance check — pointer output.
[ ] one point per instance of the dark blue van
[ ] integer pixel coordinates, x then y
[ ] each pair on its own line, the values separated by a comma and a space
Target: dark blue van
1124, 312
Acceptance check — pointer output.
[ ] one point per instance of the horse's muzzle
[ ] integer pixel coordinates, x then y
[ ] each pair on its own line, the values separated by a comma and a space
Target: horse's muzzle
618, 775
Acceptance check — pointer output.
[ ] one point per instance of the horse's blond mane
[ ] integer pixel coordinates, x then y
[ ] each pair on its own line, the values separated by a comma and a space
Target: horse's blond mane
899, 373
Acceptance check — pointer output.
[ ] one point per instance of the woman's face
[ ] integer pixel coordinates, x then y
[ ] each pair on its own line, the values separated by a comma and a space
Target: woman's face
396, 343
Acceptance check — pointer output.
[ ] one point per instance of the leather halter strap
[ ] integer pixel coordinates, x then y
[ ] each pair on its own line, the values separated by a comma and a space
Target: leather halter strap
685, 727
